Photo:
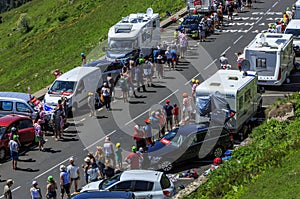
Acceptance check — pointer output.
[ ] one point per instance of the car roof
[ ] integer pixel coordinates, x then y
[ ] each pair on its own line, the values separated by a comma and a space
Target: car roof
18, 95
76, 73
104, 194
146, 175
188, 129
9, 119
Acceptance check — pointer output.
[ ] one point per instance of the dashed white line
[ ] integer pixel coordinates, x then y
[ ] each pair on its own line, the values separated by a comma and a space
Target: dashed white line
169, 96
258, 20
52, 168
137, 116
225, 50
99, 140
268, 11
210, 64
274, 4
12, 191
82, 119
249, 29
238, 39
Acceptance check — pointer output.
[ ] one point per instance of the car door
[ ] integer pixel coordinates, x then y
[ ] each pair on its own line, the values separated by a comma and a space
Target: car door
144, 190
26, 131
190, 147
122, 186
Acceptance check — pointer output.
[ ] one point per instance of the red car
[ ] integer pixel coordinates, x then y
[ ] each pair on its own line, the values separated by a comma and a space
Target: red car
25, 131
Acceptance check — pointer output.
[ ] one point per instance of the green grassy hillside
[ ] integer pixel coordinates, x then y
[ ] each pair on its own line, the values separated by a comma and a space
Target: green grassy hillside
59, 32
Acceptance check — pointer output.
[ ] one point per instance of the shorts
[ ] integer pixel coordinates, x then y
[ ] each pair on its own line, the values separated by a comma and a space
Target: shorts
65, 188
175, 117
169, 119
14, 155
72, 179
189, 108
51, 195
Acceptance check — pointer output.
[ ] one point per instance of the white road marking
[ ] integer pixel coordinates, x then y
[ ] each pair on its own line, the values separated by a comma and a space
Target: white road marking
258, 20
52, 168
275, 4
249, 28
99, 140
268, 12
210, 64
82, 119
169, 96
12, 191
224, 51
238, 39
137, 116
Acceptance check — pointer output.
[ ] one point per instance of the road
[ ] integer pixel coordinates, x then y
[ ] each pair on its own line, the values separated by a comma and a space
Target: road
201, 61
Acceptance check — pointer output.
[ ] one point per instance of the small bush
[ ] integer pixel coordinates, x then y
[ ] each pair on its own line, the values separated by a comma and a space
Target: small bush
23, 23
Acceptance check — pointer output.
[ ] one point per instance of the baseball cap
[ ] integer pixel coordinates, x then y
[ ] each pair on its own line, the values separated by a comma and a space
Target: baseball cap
34, 183
167, 101
118, 145
133, 149
71, 159
147, 121
15, 137
62, 168
9, 181
50, 178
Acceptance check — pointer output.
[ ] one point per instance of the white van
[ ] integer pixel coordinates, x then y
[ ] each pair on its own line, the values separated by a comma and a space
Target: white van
17, 103
74, 85
271, 55
294, 28
297, 10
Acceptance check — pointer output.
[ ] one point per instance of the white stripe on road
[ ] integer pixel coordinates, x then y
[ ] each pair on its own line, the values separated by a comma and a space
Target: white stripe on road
168, 96
238, 39
12, 191
99, 140
224, 52
268, 11
258, 20
274, 4
249, 29
52, 168
210, 64
137, 116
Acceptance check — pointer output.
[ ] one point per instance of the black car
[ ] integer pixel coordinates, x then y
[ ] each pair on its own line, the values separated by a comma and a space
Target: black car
190, 25
189, 142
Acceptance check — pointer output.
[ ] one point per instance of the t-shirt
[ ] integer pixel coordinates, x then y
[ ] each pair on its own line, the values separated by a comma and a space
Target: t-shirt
168, 108
13, 145
7, 192
168, 55
65, 177
175, 111
72, 169
148, 131
134, 160
105, 92
93, 173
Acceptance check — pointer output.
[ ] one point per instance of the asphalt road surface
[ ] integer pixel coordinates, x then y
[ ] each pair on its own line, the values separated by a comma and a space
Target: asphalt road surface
201, 61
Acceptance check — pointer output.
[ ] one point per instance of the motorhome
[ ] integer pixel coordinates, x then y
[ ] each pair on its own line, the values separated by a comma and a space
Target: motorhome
271, 55
74, 85
202, 6
297, 10
294, 28
134, 34
238, 90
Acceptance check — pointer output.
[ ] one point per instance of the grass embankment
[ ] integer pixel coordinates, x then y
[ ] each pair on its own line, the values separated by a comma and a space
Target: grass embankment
60, 32
267, 168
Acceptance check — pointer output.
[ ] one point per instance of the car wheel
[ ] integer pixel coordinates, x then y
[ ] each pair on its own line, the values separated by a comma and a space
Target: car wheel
2, 153
166, 165
218, 152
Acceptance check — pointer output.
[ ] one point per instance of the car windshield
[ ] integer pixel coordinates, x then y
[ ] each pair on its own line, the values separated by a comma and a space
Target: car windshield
114, 45
109, 181
62, 88
2, 130
294, 32
176, 138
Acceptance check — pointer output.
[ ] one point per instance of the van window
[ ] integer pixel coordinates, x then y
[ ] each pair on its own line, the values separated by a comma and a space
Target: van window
62, 86
6, 106
21, 107
24, 124
165, 182
122, 186
143, 186
261, 62
294, 32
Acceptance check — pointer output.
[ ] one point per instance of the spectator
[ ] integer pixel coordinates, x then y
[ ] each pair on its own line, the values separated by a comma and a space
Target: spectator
51, 188
123, 82
100, 158
14, 151
168, 57
160, 66
108, 170
139, 75
145, 161
169, 115
154, 124
7, 191
64, 182
186, 109
148, 66
85, 167
39, 134
133, 159
109, 151
74, 173
56, 73
91, 104
94, 173
83, 58
183, 42
148, 131
139, 136
105, 91
35, 191
119, 156
111, 84
239, 60
176, 114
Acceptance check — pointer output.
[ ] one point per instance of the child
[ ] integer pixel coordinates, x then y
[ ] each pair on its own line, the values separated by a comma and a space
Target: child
119, 156
175, 114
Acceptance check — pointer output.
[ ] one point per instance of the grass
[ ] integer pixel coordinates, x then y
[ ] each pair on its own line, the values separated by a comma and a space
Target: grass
279, 182
60, 32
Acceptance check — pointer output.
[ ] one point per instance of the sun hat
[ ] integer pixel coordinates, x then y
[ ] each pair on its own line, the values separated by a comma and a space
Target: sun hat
50, 179
13, 129
34, 183
148, 121
118, 145
8, 181
193, 80
90, 93
133, 148
71, 159
99, 148
87, 159
62, 168
167, 101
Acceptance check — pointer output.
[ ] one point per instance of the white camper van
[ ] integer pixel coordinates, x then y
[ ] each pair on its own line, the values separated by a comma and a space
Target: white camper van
74, 85
202, 6
294, 28
271, 55
240, 92
297, 10
140, 31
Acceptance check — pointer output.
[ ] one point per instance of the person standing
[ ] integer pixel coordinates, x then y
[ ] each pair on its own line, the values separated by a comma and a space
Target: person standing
168, 57
91, 104
106, 95
39, 134
175, 114
186, 108
139, 76
56, 73
119, 156
123, 82
239, 60
169, 115
133, 159
64, 178
35, 191
148, 131
111, 85
51, 188
83, 58
7, 191
160, 66
109, 151
100, 158
139, 136
14, 151
85, 168
94, 173
74, 173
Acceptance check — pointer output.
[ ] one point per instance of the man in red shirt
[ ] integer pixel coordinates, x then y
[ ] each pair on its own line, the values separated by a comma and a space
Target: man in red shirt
134, 159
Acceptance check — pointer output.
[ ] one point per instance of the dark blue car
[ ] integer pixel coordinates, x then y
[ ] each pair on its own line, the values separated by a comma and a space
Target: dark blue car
189, 142
190, 25
105, 194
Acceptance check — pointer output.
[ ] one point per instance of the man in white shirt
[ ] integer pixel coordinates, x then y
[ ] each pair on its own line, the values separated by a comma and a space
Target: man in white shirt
73, 171
14, 151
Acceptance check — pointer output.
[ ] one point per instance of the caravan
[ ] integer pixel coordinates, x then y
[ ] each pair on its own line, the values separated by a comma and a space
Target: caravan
271, 55
230, 93
134, 33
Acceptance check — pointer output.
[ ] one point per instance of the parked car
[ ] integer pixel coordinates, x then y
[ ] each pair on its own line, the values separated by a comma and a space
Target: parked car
104, 194
190, 25
25, 131
184, 143
143, 183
